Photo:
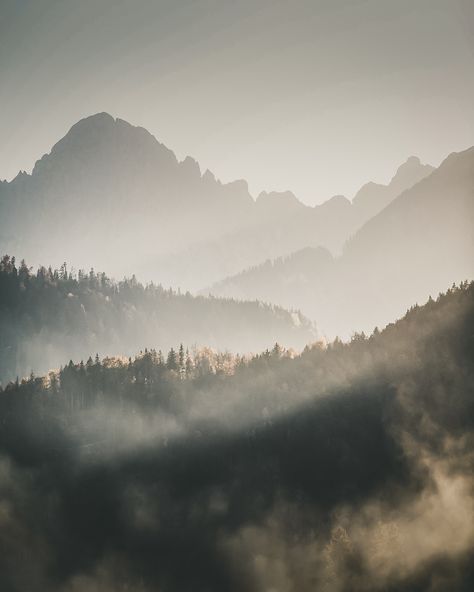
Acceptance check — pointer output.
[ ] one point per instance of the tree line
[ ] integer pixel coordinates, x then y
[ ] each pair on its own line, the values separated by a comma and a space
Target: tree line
49, 313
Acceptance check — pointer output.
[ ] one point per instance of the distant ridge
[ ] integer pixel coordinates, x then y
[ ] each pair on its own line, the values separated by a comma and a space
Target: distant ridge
112, 196
417, 246
373, 197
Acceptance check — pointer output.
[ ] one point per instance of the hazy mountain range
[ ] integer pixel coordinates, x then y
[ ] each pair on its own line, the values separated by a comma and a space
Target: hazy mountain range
115, 198
110, 196
282, 224
322, 466
419, 244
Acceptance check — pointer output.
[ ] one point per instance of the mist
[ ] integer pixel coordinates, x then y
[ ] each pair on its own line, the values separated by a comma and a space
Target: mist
236, 296
282, 471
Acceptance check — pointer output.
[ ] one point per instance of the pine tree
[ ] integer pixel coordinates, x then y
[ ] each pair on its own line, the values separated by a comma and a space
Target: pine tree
160, 358
189, 365
171, 361
181, 361
276, 351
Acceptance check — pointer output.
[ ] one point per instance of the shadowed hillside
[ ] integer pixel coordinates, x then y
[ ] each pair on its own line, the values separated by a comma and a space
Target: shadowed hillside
346, 468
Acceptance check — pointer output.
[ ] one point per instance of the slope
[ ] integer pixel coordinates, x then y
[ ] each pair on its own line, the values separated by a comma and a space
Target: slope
346, 468
422, 242
49, 317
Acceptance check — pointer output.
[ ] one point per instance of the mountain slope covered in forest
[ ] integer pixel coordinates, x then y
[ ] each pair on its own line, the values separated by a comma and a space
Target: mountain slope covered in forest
349, 467
49, 317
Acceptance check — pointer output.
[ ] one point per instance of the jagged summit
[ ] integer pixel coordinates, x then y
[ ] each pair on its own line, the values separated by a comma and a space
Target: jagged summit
409, 173
191, 167
419, 243
373, 197
209, 177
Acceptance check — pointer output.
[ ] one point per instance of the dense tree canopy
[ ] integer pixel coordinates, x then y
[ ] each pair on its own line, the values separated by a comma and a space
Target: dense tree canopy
50, 315
206, 471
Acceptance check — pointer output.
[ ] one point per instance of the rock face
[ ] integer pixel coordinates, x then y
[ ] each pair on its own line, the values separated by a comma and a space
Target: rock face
109, 195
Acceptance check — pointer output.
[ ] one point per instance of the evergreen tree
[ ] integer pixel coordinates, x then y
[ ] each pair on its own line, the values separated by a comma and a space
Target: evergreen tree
171, 361
276, 351
181, 361
189, 365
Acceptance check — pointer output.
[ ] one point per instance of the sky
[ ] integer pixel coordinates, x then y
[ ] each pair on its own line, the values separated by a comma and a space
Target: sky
317, 97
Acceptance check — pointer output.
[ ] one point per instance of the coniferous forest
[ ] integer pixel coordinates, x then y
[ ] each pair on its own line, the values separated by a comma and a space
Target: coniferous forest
179, 471
47, 313
248, 367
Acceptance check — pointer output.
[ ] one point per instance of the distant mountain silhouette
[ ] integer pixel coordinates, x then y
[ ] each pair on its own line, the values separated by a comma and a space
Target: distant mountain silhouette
110, 191
417, 246
281, 224
110, 195
373, 197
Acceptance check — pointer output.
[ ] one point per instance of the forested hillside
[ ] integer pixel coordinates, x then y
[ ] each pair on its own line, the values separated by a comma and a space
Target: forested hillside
50, 316
348, 467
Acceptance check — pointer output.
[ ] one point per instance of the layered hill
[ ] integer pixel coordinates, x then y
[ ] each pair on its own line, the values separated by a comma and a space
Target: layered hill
51, 316
111, 195
284, 225
419, 244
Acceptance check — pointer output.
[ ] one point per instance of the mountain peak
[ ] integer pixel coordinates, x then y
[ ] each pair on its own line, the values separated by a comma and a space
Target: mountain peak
411, 163
106, 143
336, 201
101, 123
209, 177
409, 173
191, 167
98, 121
373, 197
102, 116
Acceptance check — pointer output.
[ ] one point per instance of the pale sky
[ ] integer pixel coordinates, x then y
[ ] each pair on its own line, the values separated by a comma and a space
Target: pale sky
313, 96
